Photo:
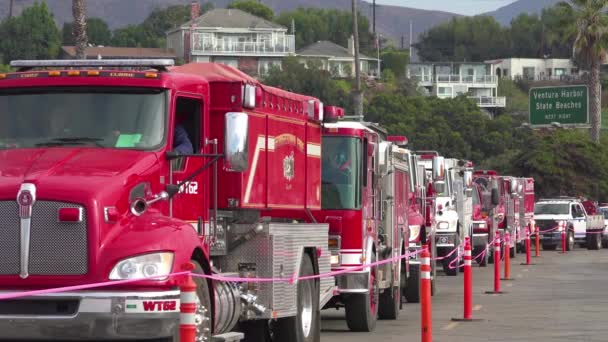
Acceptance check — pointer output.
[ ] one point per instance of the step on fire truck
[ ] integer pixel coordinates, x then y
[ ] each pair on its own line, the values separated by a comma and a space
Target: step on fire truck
364, 200
92, 190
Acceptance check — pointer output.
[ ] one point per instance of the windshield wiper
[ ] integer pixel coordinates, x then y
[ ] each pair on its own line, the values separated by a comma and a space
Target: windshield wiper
71, 141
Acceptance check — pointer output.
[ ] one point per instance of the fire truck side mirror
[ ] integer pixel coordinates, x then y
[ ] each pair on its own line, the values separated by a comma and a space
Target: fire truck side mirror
468, 179
438, 169
495, 197
236, 142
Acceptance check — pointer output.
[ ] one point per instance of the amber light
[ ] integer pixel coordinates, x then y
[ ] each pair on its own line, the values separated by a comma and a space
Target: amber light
93, 73
73, 73
71, 215
151, 75
54, 73
2, 76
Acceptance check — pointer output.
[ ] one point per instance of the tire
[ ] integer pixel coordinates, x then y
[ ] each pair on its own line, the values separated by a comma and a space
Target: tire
306, 325
446, 265
481, 261
411, 291
604, 242
362, 309
570, 241
203, 306
549, 247
512, 252
390, 303
255, 331
594, 242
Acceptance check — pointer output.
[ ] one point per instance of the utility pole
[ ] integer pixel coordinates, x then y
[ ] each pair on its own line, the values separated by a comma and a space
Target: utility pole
411, 30
10, 9
358, 94
374, 17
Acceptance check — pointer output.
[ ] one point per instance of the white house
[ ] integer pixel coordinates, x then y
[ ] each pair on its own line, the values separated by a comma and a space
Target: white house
449, 80
232, 37
338, 60
535, 69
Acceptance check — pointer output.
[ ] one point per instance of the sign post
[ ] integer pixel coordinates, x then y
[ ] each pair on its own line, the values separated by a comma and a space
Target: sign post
567, 106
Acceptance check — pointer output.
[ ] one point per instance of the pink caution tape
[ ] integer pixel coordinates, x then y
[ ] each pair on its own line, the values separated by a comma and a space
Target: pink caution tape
290, 280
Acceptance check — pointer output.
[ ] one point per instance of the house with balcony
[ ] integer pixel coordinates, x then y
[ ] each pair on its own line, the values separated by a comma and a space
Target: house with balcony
449, 80
232, 37
338, 60
536, 69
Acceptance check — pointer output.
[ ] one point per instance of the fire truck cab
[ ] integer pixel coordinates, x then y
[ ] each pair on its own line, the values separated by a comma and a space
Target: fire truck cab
93, 190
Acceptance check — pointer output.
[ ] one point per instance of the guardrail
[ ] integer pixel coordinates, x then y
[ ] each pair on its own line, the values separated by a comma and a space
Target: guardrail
490, 101
466, 79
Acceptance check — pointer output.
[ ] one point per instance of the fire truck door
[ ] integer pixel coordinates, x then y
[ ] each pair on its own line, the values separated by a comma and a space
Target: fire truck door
189, 204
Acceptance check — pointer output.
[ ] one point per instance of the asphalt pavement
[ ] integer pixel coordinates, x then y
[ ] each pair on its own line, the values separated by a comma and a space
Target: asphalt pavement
560, 298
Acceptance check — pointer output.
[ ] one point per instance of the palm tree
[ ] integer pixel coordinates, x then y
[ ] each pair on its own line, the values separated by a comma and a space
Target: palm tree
80, 27
589, 48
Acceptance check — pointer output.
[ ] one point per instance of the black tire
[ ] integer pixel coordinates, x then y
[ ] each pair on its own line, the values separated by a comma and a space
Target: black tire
411, 292
390, 303
512, 252
604, 242
549, 247
594, 241
362, 309
482, 261
570, 241
293, 328
453, 271
255, 331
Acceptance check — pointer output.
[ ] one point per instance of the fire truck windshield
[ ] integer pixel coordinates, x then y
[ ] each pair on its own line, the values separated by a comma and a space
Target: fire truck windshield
96, 117
341, 175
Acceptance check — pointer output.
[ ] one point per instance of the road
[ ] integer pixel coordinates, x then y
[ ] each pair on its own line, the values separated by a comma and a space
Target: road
561, 298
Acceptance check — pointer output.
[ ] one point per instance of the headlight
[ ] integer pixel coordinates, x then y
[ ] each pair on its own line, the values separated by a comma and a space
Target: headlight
334, 259
443, 225
481, 225
156, 265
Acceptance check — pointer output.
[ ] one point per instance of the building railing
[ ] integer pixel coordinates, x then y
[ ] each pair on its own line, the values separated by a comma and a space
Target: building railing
202, 43
489, 101
427, 78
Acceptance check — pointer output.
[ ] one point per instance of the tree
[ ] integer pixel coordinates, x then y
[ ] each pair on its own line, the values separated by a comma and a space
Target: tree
253, 7
309, 79
315, 24
32, 35
476, 38
589, 48
395, 61
80, 27
130, 36
98, 32
526, 36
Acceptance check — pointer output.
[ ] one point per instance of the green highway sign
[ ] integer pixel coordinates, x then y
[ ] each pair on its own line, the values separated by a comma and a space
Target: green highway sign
567, 105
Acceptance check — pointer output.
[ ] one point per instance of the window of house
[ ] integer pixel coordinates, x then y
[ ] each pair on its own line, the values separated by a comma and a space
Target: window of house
529, 73
444, 91
560, 71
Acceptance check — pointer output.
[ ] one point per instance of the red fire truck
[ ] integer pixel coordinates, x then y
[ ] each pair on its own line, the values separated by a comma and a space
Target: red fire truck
493, 208
92, 190
364, 199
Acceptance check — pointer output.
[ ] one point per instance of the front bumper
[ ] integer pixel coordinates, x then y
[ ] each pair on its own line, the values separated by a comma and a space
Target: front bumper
354, 282
95, 315
445, 239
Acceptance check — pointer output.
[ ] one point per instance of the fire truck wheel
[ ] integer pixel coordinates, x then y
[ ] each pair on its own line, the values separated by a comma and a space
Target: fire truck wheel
411, 290
512, 252
362, 309
594, 241
570, 241
203, 307
306, 326
482, 260
549, 247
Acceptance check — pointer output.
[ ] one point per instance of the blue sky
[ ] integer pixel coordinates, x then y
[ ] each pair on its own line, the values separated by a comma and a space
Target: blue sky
467, 7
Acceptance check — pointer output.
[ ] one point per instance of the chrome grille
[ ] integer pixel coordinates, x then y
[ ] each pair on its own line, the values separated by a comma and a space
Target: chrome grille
55, 248
9, 238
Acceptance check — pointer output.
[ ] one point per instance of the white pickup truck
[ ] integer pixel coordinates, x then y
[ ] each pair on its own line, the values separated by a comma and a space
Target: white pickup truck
553, 215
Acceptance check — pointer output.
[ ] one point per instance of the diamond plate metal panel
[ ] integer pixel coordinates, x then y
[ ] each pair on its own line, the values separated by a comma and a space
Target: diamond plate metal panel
10, 248
55, 247
277, 252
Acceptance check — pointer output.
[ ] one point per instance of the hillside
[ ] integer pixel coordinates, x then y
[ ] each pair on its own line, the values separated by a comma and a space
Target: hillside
392, 21
505, 14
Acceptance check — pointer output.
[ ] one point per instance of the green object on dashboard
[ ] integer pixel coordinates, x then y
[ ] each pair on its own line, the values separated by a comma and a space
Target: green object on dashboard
128, 140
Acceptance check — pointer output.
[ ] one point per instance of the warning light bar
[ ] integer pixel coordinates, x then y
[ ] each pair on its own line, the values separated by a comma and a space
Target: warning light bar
159, 64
